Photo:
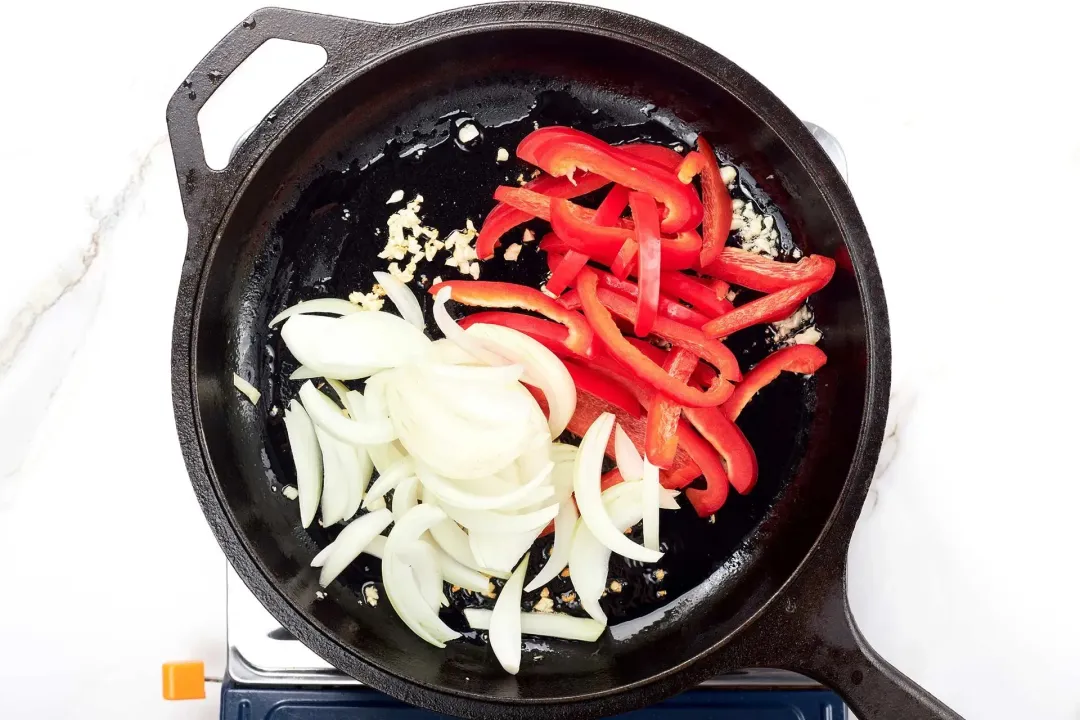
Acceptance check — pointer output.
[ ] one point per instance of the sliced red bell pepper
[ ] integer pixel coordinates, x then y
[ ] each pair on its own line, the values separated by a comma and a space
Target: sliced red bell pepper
677, 253
704, 374
717, 482
668, 308
691, 166
602, 386
729, 441
717, 203
647, 233
663, 157
483, 293
567, 270
551, 334
721, 289
590, 407
763, 274
802, 359
609, 334
610, 479
771, 308
624, 259
661, 439
676, 333
696, 292
503, 218
562, 151
611, 208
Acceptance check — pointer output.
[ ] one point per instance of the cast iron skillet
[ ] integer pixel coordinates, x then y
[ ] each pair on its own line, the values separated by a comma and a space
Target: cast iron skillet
293, 216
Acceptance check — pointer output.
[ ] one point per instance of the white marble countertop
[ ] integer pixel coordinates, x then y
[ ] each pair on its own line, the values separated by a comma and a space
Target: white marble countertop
961, 134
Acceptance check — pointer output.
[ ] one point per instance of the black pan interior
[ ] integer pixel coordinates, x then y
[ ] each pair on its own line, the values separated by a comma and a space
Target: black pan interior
312, 219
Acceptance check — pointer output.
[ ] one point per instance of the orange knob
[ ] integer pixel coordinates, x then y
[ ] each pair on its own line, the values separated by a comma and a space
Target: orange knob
183, 681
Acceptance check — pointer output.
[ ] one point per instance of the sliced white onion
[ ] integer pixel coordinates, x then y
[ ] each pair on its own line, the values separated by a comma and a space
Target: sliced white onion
401, 588
342, 392
326, 414
667, 497
389, 480
374, 548
304, 373
308, 459
499, 552
542, 369
360, 409
385, 456
354, 346
589, 557
485, 374
320, 559
405, 495
453, 495
455, 334
650, 506
427, 573
447, 352
627, 458
555, 625
358, 481
246, 388
335, 492
565, 522
330, 306
494, 522
402, 297
587, 492
504, 630
352, 541
457, 574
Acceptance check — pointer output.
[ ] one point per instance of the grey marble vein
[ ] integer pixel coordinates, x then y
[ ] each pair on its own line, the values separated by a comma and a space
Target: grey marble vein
68, 276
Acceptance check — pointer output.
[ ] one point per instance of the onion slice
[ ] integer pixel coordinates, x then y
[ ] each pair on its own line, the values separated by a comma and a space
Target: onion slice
355, 346
555, 625
330, 306
308, 460
587, 493
505, 626
303, 373
453, 495
627, 457
405, 496
388, 481
565, 522
357, 483
650, 506
455, 334
589, 557
246, 388
326, 414
352, 541
542, 369
490, 521
335, 492
402, 297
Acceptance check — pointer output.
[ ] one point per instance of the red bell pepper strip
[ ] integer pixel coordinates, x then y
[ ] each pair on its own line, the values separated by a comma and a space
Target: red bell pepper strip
676, 333
562, 151
696, 292
677, 253
771, 308
763, 274
704, 457
721, 289
717, 203
690, 167
590, 407
611, 209
609, 334
602, 386
663, 157
661, 440
704, 374
624, 259
668, 308
610, 479
567, 270
729, 442
550, 334
504, 218
802, 359
647, 234
483, 293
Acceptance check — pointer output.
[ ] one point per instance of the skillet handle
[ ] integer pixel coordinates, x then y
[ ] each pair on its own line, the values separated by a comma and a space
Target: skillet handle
811, 630
346, 42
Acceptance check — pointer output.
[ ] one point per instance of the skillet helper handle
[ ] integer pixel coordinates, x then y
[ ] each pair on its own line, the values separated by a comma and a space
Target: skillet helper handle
345, 41
811, 630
